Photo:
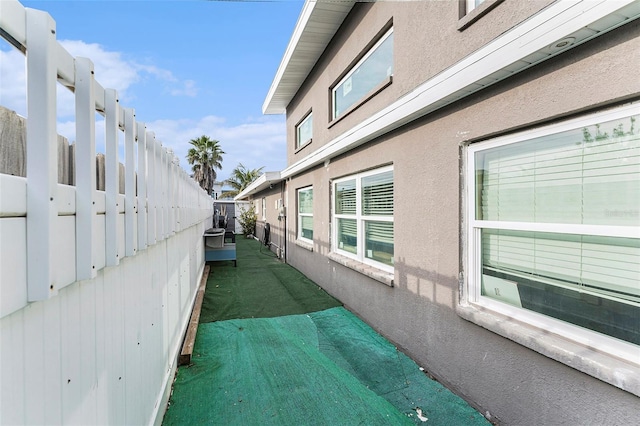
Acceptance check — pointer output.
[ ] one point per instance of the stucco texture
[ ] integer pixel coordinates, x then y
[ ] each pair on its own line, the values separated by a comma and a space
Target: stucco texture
513, 384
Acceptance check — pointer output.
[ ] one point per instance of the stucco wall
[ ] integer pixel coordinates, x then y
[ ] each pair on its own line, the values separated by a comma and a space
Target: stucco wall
276, 225
514, 384
427, 41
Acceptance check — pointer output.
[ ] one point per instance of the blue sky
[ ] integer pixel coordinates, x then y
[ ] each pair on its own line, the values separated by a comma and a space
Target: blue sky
188, 67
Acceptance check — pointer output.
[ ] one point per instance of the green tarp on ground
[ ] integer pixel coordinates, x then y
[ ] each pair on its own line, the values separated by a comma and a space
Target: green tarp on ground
269, 371
259, 287
306, 361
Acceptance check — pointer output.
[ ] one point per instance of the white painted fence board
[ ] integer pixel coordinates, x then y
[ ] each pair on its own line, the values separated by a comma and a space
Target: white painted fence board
71, 389
85, 169
185, 282
66, 204
129, 181
12, 20
87, 349
154, 346
158, 201
13, 196
114, 338
120, 229
52, 361
112, 172
13, 264
171, 294
142, 186
151, 188
98, 226
65, 252
66, 67
12, 365
121, 208
101, 326
103, 350
34, 358
133, 359
100, 202
42, 154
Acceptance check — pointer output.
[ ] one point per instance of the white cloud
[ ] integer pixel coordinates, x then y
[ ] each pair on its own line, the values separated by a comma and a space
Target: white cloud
189, 89
13, 85
112, 71
255, 143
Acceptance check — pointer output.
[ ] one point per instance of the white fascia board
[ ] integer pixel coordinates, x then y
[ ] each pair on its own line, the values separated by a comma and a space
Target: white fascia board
523, 46
258, 185
302, 23
316, 26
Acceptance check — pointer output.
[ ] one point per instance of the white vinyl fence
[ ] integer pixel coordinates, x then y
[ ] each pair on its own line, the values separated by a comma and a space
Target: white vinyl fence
96, 287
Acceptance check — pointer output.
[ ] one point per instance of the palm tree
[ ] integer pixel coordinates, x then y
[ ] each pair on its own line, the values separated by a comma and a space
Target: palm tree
205, 157
241, 177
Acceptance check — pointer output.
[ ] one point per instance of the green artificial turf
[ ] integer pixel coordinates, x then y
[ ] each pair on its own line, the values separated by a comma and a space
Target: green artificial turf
260, 286
272, 348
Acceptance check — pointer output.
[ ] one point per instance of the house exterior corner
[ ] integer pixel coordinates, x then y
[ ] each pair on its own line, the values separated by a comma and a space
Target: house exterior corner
506, 290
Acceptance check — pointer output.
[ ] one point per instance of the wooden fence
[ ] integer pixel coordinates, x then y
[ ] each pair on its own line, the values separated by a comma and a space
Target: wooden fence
97, 280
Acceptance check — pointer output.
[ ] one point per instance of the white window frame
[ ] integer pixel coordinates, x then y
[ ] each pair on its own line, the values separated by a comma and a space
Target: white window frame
301, 143
301, 215
353, 69
360, 220
473, 4
264, 208
562, 341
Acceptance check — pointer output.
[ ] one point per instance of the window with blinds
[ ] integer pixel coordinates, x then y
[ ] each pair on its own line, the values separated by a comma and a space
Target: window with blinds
557, 224
305, 214
363, 217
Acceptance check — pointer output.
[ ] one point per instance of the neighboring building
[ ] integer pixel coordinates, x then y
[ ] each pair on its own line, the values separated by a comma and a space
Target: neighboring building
465, 176
268, 196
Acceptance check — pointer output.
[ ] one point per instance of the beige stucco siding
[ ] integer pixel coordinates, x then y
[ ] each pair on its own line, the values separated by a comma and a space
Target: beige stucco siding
423, 46
419, 312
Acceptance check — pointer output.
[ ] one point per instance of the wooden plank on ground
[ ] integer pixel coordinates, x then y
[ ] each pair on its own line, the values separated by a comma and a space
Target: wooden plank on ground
190, 337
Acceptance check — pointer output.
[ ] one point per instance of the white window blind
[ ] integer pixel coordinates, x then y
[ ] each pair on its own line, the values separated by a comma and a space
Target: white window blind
305, 214
377, 200
346, 197
588, 179
363, 213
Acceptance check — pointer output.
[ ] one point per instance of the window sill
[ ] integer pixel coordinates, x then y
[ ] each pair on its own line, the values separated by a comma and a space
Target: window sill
304, 244
377, 274
477, 13
300, 148
608, 368
379, 88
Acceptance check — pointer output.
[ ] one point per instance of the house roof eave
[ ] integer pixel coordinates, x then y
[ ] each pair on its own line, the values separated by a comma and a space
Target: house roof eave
263, 182
316, 26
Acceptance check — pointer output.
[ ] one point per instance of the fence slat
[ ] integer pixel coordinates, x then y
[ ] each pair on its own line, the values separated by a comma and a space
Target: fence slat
151, 189
159, 191
112, 184
143, 154
165, 194
42, 154
129, 182
85, 168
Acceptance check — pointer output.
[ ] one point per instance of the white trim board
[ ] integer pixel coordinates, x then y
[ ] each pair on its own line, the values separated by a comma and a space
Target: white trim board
525, 45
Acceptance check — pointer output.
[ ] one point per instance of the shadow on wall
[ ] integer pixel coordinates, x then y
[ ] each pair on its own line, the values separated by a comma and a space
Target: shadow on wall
13, 153
431, 285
